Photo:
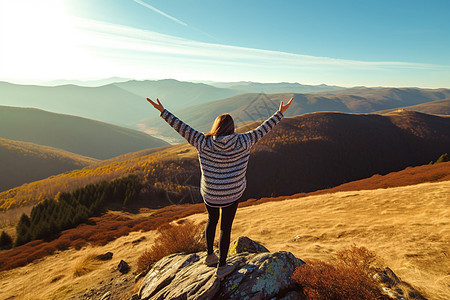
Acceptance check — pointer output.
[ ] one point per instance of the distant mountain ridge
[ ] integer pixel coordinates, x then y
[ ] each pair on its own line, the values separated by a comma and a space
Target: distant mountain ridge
251, 107
122, 102
74, 134
437, 107
23, 162
274, 88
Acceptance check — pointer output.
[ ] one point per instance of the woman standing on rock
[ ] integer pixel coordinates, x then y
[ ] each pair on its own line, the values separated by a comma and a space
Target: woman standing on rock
223, 156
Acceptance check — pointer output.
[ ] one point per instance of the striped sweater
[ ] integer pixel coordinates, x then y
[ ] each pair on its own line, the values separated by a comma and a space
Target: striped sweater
223, 160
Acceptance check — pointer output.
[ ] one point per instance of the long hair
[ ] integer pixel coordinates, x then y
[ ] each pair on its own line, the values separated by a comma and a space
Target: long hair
223, 125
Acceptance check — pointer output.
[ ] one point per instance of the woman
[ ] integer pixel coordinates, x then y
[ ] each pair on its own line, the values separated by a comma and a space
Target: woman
223, 156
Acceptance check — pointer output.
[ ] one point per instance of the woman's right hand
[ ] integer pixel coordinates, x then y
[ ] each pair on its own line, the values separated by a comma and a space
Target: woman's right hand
158, 105
283, 108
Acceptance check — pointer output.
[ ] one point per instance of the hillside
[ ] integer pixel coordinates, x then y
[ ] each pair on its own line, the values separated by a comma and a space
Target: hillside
394, 223
74, 134
321, 150
251, 107
437, 107
303, 154
23, 162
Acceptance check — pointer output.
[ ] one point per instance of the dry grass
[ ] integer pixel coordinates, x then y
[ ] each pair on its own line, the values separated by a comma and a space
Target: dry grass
54, 275
86, 264
407, 227
99, 231
186, 237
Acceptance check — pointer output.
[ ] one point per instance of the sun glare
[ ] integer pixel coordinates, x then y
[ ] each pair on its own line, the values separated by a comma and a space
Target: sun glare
36, 38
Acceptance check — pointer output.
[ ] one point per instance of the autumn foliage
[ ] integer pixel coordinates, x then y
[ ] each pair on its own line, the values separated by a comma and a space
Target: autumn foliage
97, 231
186, 237
347, 279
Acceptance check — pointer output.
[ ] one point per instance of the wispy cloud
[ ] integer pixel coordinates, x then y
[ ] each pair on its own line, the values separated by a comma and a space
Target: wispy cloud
160, 12
174, 19
100, 50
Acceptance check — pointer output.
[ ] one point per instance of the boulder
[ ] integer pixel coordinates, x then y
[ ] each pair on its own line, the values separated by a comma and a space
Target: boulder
256, 276
105, 256
394, 287
244, 244
123, 267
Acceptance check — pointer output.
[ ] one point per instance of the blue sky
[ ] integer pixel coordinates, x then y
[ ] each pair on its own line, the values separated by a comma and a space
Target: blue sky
349, 43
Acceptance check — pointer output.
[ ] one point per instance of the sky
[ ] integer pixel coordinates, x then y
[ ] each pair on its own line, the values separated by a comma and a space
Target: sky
348, 43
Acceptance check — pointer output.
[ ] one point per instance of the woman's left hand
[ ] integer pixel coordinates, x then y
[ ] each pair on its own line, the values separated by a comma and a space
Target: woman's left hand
158, 105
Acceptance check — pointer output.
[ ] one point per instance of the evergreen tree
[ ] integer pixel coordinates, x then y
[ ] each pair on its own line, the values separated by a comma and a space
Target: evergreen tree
5, 241
23, 231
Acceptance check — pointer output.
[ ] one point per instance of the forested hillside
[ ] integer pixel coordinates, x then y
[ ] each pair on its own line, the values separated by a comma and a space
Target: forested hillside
302, 154
23, 162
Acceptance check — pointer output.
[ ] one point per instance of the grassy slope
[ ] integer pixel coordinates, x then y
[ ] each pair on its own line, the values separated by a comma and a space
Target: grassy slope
393, 222
25, 162
74, 134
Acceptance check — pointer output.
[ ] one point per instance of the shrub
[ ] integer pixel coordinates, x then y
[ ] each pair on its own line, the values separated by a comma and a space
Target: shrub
5, 241
346, 279
358, 258
86, 265
182, 238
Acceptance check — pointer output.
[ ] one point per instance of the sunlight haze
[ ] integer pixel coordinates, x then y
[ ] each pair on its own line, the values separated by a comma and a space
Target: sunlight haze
297, 41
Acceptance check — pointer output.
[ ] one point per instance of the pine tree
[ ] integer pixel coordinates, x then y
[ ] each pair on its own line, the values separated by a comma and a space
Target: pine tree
23, 231
5, 241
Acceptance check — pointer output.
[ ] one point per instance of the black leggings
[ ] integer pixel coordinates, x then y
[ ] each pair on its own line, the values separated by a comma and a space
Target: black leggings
228, 214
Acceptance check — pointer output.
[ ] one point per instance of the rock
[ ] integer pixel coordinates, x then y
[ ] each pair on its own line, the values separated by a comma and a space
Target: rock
106, 296
123, 267
244, 244
395, 288
106, 256
256, 276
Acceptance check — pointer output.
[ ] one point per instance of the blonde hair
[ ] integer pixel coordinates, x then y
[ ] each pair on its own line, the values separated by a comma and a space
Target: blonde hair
223, 125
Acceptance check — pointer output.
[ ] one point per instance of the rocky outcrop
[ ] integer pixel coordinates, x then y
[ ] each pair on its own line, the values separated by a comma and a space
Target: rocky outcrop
256, 276
395, 288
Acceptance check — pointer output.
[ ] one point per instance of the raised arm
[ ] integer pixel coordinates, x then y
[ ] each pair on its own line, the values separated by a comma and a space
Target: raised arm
194, 137
252, 137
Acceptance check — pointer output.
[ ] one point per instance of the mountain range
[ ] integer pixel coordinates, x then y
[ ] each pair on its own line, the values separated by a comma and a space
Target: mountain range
245, 108
122, 102
437, 107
